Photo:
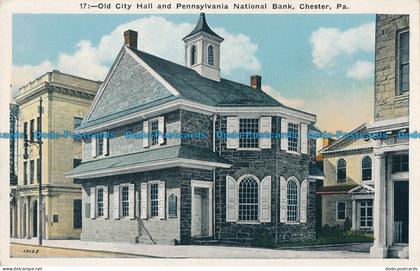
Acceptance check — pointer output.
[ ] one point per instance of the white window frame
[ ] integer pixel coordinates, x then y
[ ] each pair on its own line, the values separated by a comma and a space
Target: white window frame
193, 57
151, 145
336, 171
298, 138
97, 202
122, 186
295, 180
169, 195
149, 201
239, 132
258, 195
361, 169
336, 210
360, 214
208, 55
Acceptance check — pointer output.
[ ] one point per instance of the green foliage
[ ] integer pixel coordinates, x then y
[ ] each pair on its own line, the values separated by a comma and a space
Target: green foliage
347, 224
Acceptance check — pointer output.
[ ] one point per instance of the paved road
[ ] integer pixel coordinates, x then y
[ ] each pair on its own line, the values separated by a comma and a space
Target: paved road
179, 252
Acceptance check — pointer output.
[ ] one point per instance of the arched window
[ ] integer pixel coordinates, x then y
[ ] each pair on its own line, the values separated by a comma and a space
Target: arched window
210, 55
366, 168
341, 170
248, 198
193, 55
292, 200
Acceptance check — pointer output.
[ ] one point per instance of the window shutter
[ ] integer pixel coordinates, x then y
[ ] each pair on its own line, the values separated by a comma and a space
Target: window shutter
284, 139
116, 201
131, 202
283, 200
265, 127
146, 134
265, 206
92, 202
93, 146
106, 143
232, 126
303, 201
304, 138
143, 199
231, 201
106, 202
161, 199
161, 129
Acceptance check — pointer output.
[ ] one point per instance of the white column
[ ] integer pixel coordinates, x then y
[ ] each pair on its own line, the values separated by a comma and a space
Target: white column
27, 212
354, 215
379, 248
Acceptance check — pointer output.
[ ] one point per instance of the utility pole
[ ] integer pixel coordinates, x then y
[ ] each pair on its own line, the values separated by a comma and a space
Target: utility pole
40, 174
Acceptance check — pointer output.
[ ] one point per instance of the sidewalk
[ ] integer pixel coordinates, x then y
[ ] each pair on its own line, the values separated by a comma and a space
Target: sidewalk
179, 252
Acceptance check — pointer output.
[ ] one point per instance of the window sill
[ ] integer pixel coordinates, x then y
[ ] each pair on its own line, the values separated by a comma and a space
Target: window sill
248, 149
402, 97
292, 223
249, 222
293, 152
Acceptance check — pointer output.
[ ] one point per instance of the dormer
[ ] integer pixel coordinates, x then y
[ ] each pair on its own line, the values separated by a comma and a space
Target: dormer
202, 50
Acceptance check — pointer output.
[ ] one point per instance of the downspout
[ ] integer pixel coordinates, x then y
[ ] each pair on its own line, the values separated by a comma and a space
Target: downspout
277, 183
214, 118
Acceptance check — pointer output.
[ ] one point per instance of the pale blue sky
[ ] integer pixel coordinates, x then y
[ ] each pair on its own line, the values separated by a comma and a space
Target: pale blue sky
284, 52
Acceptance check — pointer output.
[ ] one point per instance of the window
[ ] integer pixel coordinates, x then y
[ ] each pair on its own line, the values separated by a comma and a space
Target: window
341, 170
100, 202
248, 199
76, 162
32, 171
99, 146
399, 163
77, 121
210, 55
293, 136
25, 131
154, 200
38, 124
77, 214
341, 210
292, 201
154, 132
31, 127
25, 173
38, 170
248, 130
366, 168
403, 62
366, 214
193, 55
172, 206
125, 202
55, 218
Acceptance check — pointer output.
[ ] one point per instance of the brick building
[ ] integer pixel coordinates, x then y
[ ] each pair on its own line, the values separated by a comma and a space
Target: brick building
162, 188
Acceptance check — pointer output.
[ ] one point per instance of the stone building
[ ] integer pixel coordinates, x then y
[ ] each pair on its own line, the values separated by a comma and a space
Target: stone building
65, 101
157, 164
348, 190
390, 153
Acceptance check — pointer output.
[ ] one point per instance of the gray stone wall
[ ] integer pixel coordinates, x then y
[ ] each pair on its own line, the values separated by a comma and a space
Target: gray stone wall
388, 103
329, 214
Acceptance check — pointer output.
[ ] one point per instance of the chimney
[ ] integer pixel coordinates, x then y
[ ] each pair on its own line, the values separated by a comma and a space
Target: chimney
130, 39
256, 82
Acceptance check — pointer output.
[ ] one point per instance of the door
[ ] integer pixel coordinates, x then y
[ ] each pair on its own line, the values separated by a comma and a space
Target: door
200, 212
401, 212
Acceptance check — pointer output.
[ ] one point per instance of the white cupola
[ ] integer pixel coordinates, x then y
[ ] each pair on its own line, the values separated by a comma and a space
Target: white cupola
202, 50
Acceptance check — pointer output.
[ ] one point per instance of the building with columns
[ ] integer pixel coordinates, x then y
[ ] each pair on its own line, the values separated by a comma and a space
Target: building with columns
65, 102
348, 190
390, 152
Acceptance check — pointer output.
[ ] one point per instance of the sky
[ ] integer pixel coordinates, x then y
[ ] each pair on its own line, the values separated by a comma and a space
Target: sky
322, 64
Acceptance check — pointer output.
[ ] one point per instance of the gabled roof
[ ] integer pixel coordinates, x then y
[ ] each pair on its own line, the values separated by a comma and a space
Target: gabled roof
203, 27
196, 88
362, 189
345, 143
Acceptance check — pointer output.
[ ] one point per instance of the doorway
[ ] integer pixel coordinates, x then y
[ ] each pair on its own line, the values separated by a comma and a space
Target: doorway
401, 212
201, 209
35, 219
